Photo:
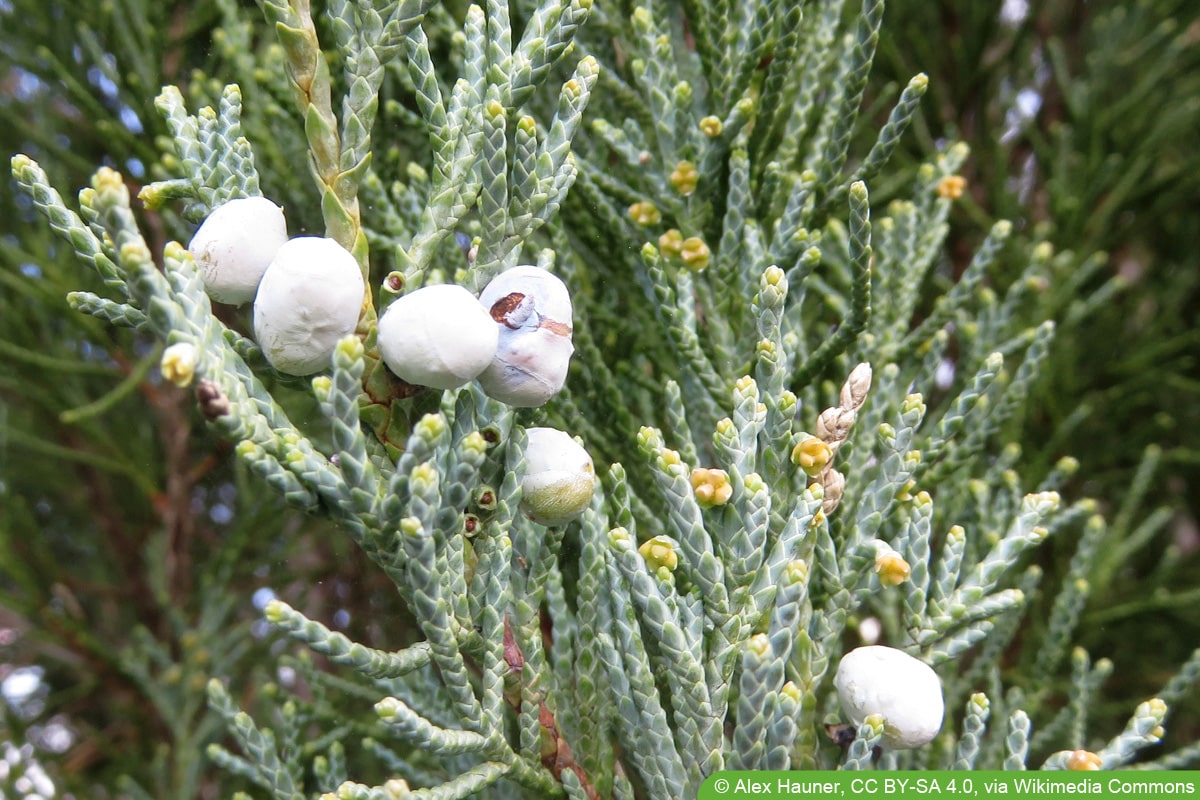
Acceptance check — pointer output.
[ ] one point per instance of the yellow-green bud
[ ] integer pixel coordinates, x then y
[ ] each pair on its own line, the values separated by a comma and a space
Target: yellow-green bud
811, 455
774, 276
891, 568
474, 442
668, 459
322, 386
422, 475
108, 179
795, 571
712, 487
684, 178
670, 244
618, 535
644, 213
759, 644
178, 363
695, 253
711, 127
914, 402
430, 426
951, 187
659, 553
274, 611
649, 438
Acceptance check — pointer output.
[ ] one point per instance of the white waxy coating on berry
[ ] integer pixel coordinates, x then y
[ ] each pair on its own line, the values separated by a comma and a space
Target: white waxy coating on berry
532, 310
439, 336
310, 297
559, 477
906, 692
234, 246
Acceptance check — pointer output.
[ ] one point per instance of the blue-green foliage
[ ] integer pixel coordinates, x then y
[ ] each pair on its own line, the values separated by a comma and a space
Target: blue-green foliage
690, 170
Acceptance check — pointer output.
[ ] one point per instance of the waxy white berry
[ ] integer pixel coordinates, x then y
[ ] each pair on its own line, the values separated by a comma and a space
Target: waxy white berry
439, 336
906, 692
234, 246
310, 297
532, 310
559, 477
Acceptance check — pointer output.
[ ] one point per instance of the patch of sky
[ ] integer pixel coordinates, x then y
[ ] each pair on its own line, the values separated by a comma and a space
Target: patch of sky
22, 690
27, 85
133, 122
1014, 12
286, 675
93, 352
56, 737
19, 765
262, 596
944, 374
106, 85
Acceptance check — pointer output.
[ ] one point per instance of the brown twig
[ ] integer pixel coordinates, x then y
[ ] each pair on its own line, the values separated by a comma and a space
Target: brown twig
556, 753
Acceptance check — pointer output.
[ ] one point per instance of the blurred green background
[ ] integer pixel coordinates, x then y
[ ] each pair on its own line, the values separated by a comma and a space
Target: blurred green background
134, 549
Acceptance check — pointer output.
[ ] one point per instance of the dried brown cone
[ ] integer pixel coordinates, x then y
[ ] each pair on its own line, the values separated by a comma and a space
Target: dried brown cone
854, 390
834, 423
833, 427
834, 483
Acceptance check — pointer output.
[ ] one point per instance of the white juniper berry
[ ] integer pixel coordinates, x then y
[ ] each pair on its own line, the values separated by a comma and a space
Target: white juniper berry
234, 246
309, 298
439, 336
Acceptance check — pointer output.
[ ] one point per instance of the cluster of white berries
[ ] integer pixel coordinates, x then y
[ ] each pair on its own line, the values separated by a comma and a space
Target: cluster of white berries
307, 291
515, 338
